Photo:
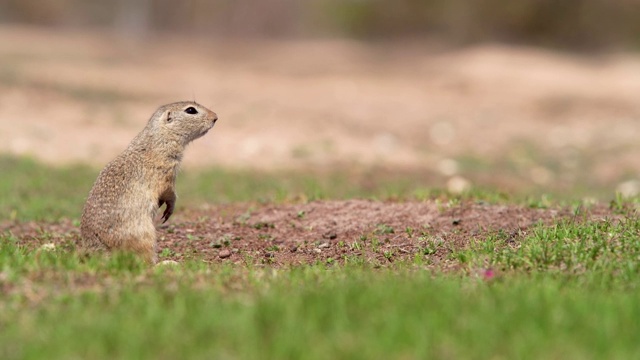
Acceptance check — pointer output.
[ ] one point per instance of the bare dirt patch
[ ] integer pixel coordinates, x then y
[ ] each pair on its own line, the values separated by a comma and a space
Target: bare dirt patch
327, 231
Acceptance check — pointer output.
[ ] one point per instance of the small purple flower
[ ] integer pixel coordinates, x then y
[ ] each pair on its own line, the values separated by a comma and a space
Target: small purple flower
488, 274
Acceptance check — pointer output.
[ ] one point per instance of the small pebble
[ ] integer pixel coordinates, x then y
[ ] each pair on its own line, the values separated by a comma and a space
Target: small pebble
330, 235
48, 247
168, 262
223, 254
323, 245
629, 188
458, 185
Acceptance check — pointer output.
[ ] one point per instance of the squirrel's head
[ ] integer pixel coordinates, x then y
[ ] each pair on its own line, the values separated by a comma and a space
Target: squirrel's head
186, 120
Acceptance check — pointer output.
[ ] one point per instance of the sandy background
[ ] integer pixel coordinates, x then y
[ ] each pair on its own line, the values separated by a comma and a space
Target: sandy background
69, 97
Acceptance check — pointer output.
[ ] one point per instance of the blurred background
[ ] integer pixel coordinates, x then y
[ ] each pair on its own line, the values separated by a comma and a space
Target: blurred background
528, 95
575, 24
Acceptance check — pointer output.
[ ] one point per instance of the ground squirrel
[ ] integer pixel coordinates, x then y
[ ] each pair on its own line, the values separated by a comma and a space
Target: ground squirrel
121, 207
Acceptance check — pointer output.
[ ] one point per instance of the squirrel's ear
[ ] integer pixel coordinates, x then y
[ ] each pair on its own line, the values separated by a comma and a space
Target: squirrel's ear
167, 116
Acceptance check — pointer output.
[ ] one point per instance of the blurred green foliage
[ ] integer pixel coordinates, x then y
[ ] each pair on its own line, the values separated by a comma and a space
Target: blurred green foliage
574, 24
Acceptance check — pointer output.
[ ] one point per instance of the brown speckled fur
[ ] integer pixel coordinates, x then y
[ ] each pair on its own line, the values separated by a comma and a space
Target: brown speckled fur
124, 200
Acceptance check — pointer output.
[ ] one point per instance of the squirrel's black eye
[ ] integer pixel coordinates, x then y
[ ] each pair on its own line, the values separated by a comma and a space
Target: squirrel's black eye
191, 110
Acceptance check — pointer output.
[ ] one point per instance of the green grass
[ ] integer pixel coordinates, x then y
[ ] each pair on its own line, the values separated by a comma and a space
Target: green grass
568, 290
604, 252
565, 290
57, 307
32, 191
565, 173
